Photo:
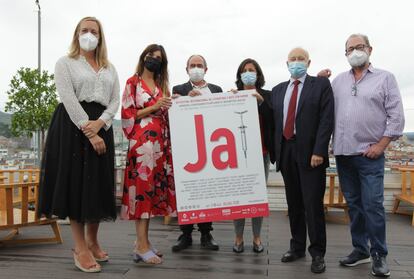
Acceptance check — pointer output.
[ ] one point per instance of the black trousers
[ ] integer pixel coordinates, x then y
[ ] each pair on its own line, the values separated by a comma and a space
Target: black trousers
204, 228
305, 189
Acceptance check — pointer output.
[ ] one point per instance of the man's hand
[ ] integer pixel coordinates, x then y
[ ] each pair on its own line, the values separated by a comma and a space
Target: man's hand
374, 151
91, 128
175, 96
316, 161
98, 144
325, 73
194, 93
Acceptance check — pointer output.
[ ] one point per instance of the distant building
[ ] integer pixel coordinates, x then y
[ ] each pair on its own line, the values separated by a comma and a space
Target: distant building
4, 152
4, 142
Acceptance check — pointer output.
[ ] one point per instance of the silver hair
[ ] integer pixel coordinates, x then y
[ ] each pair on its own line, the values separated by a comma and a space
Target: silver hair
364, 37
301, 48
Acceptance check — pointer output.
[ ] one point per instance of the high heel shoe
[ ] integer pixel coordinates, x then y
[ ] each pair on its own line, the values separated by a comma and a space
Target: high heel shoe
258, 248
105, 258
152, 248
238, 248
146, 257
94, 268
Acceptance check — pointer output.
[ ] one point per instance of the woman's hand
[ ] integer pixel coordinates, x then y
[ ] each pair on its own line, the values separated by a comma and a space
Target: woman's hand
259, 97
256, 94
91, 128
98, 144
163, 103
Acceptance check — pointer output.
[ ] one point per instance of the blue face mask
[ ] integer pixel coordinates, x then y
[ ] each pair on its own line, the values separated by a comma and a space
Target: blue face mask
297, 69
249, 78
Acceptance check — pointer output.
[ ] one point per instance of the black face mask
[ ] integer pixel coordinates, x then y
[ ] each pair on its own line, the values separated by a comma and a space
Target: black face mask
152, 64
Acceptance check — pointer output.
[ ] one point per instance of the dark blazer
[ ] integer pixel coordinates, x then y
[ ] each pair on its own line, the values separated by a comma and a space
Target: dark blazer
268, 127
185, 88
314, 119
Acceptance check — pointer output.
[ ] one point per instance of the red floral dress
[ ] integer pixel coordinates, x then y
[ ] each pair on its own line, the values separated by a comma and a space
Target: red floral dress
148, 184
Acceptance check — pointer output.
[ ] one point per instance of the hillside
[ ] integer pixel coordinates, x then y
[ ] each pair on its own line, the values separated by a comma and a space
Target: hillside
5, 118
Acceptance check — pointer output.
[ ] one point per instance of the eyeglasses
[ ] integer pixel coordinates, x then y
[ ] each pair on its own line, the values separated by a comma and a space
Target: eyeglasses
357, 47
354, 90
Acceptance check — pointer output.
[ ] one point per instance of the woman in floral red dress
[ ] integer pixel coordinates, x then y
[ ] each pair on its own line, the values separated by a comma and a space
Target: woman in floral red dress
149, 186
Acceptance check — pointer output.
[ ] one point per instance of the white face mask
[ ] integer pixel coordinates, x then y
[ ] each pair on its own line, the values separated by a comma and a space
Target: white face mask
88, 41
196, 74
358, 58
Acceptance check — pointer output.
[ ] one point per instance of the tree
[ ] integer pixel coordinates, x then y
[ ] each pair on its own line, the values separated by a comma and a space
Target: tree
32, 100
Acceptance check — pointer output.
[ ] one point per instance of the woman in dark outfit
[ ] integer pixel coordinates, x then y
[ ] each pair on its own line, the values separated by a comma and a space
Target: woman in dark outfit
77, 172
250, 76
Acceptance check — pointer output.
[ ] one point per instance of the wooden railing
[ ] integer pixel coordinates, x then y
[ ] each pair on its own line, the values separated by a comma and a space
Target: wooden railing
407, 192
19, 176
18, 203
335, 199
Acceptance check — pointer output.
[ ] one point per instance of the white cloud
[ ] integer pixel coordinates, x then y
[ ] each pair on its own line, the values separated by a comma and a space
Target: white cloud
224, 31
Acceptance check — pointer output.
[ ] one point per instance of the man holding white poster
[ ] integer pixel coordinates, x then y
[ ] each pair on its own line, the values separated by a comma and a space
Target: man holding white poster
196, 68
217, 157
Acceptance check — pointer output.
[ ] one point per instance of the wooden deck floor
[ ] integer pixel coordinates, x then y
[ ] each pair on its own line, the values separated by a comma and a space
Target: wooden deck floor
55, 261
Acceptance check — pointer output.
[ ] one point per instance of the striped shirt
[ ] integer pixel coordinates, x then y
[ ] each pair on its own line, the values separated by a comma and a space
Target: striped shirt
365, 110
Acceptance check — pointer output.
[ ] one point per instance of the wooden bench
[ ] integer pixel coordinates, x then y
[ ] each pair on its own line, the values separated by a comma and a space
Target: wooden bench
16, 214
407, 192
335, 199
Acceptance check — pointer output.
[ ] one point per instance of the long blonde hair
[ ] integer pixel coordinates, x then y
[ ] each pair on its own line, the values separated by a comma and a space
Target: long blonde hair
101, 54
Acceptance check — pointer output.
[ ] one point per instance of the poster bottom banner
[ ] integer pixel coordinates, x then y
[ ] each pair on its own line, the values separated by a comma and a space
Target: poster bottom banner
223, 213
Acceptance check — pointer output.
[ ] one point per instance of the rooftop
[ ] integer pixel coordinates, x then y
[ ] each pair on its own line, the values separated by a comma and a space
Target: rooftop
55, 261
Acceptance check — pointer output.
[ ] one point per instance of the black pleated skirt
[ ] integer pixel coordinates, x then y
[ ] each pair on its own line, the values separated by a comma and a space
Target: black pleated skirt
75, 181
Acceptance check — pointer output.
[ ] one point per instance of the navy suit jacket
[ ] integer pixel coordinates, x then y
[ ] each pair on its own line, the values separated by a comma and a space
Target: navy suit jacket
314, 120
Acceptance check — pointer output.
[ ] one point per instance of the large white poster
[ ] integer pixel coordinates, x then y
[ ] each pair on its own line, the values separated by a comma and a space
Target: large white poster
217, 157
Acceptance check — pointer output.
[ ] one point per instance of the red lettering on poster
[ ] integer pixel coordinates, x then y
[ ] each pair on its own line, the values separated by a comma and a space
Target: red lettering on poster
230, 148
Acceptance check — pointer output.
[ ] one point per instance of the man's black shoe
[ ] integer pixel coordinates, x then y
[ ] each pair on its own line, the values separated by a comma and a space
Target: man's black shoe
318, 265
291, 256
183, 242
355, 258
379, 266
207, 242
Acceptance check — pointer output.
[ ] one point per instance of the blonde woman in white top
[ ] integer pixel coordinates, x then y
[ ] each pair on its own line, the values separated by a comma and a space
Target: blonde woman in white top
77, 178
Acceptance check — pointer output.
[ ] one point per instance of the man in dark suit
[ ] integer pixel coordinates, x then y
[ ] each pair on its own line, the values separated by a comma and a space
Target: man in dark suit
196, 69
303, 111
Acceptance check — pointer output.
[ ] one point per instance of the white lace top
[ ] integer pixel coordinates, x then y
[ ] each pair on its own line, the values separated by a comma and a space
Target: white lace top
77, 81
